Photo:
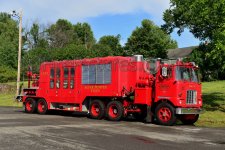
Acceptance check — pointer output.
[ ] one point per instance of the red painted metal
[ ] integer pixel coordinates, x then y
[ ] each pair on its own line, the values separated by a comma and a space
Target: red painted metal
164, 114
41, 106
29, 106
95, 109
131, 82
113, 111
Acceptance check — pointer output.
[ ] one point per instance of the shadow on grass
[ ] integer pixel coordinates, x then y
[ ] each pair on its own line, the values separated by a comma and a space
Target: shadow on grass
214, 101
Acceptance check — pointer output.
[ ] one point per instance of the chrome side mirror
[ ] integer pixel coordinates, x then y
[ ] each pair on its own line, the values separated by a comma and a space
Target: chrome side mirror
164, 71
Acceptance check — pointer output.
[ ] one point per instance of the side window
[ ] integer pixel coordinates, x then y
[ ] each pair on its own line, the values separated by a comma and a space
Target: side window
72, 72
52, 75
85, 74
65, 77
72, 75
66, 72
58, 78
57, 83
51, 83
96, 74
107, 74
92, 74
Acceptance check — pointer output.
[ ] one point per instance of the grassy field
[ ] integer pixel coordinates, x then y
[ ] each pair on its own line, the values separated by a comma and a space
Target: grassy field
213, 102
7, 95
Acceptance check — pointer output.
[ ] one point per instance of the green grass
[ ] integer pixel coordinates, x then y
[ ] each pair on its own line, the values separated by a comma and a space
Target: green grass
9, 100
214, 104
7, 96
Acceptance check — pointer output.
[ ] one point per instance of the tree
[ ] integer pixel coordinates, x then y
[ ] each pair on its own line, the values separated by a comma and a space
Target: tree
101, 50
202, 17
113, 42
34, 58
150, 41
60, 34
205, 20
9, 41
36, 38
83, 35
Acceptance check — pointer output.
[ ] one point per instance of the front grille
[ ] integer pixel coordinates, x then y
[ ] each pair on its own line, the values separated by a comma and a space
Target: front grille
191, 97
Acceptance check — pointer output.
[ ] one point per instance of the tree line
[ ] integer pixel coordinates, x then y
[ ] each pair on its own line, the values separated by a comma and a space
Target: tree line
64, 40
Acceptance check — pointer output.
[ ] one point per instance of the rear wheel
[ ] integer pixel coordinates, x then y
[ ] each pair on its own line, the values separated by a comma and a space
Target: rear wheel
97, 109
189, 119
30, 105
165, 114
42, 106
115, 110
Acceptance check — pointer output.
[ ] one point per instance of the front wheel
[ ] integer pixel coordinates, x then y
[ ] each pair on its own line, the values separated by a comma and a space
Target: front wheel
189, 119
30, 105
115, 110
165, 114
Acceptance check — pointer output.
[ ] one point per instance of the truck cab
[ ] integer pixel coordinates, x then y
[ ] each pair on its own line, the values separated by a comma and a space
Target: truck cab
178, 89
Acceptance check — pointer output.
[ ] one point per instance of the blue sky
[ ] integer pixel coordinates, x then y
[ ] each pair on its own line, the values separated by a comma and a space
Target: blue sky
106, 17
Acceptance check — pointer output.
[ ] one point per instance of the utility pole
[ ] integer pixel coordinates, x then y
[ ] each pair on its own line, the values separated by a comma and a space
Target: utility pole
19, 16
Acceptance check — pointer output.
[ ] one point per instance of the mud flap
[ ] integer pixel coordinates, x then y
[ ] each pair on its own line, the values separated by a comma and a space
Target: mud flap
148, 118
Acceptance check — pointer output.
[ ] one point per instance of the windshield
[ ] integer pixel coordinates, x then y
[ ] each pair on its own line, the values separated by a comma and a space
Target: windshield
186, 74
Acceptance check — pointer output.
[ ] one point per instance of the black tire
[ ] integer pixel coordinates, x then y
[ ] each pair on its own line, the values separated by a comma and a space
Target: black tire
30, 105
42, 106
97, 109
189, 119
115, 111
165, 114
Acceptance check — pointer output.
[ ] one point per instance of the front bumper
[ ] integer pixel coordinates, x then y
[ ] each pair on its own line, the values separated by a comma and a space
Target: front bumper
189, 111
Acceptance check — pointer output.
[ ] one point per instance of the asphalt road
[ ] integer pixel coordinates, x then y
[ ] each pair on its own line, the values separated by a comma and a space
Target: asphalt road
22, 131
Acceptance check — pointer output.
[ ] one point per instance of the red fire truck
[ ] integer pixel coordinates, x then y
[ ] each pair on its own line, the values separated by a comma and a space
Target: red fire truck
115, 87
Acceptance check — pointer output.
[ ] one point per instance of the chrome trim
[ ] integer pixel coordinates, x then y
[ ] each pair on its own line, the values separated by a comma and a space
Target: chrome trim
191, 97
189, 111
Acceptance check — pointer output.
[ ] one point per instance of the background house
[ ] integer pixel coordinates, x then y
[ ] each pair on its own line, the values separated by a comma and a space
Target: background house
180, 52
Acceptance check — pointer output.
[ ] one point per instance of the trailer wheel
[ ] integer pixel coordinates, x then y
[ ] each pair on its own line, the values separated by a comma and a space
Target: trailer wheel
30, 105
97, 109
115, 110
165, 114
189, 119
42, 106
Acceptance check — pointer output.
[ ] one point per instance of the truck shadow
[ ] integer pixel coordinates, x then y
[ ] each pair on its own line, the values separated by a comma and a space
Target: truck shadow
214, 101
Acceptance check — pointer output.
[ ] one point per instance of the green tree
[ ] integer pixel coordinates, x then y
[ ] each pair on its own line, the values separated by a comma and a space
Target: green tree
35, 38
71, 51
9, 41
34, 58
7, 74
149, 40
202, 17
101, 50
113, 42
83, 35
60, 34
205, 19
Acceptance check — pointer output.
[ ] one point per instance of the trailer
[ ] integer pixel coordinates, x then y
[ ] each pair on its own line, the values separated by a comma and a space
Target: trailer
114, 87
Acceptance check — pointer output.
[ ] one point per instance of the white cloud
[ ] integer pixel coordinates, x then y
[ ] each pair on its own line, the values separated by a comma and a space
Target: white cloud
76, 10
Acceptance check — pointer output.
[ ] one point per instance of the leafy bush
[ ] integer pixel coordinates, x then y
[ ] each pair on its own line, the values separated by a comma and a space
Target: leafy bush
7, 74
